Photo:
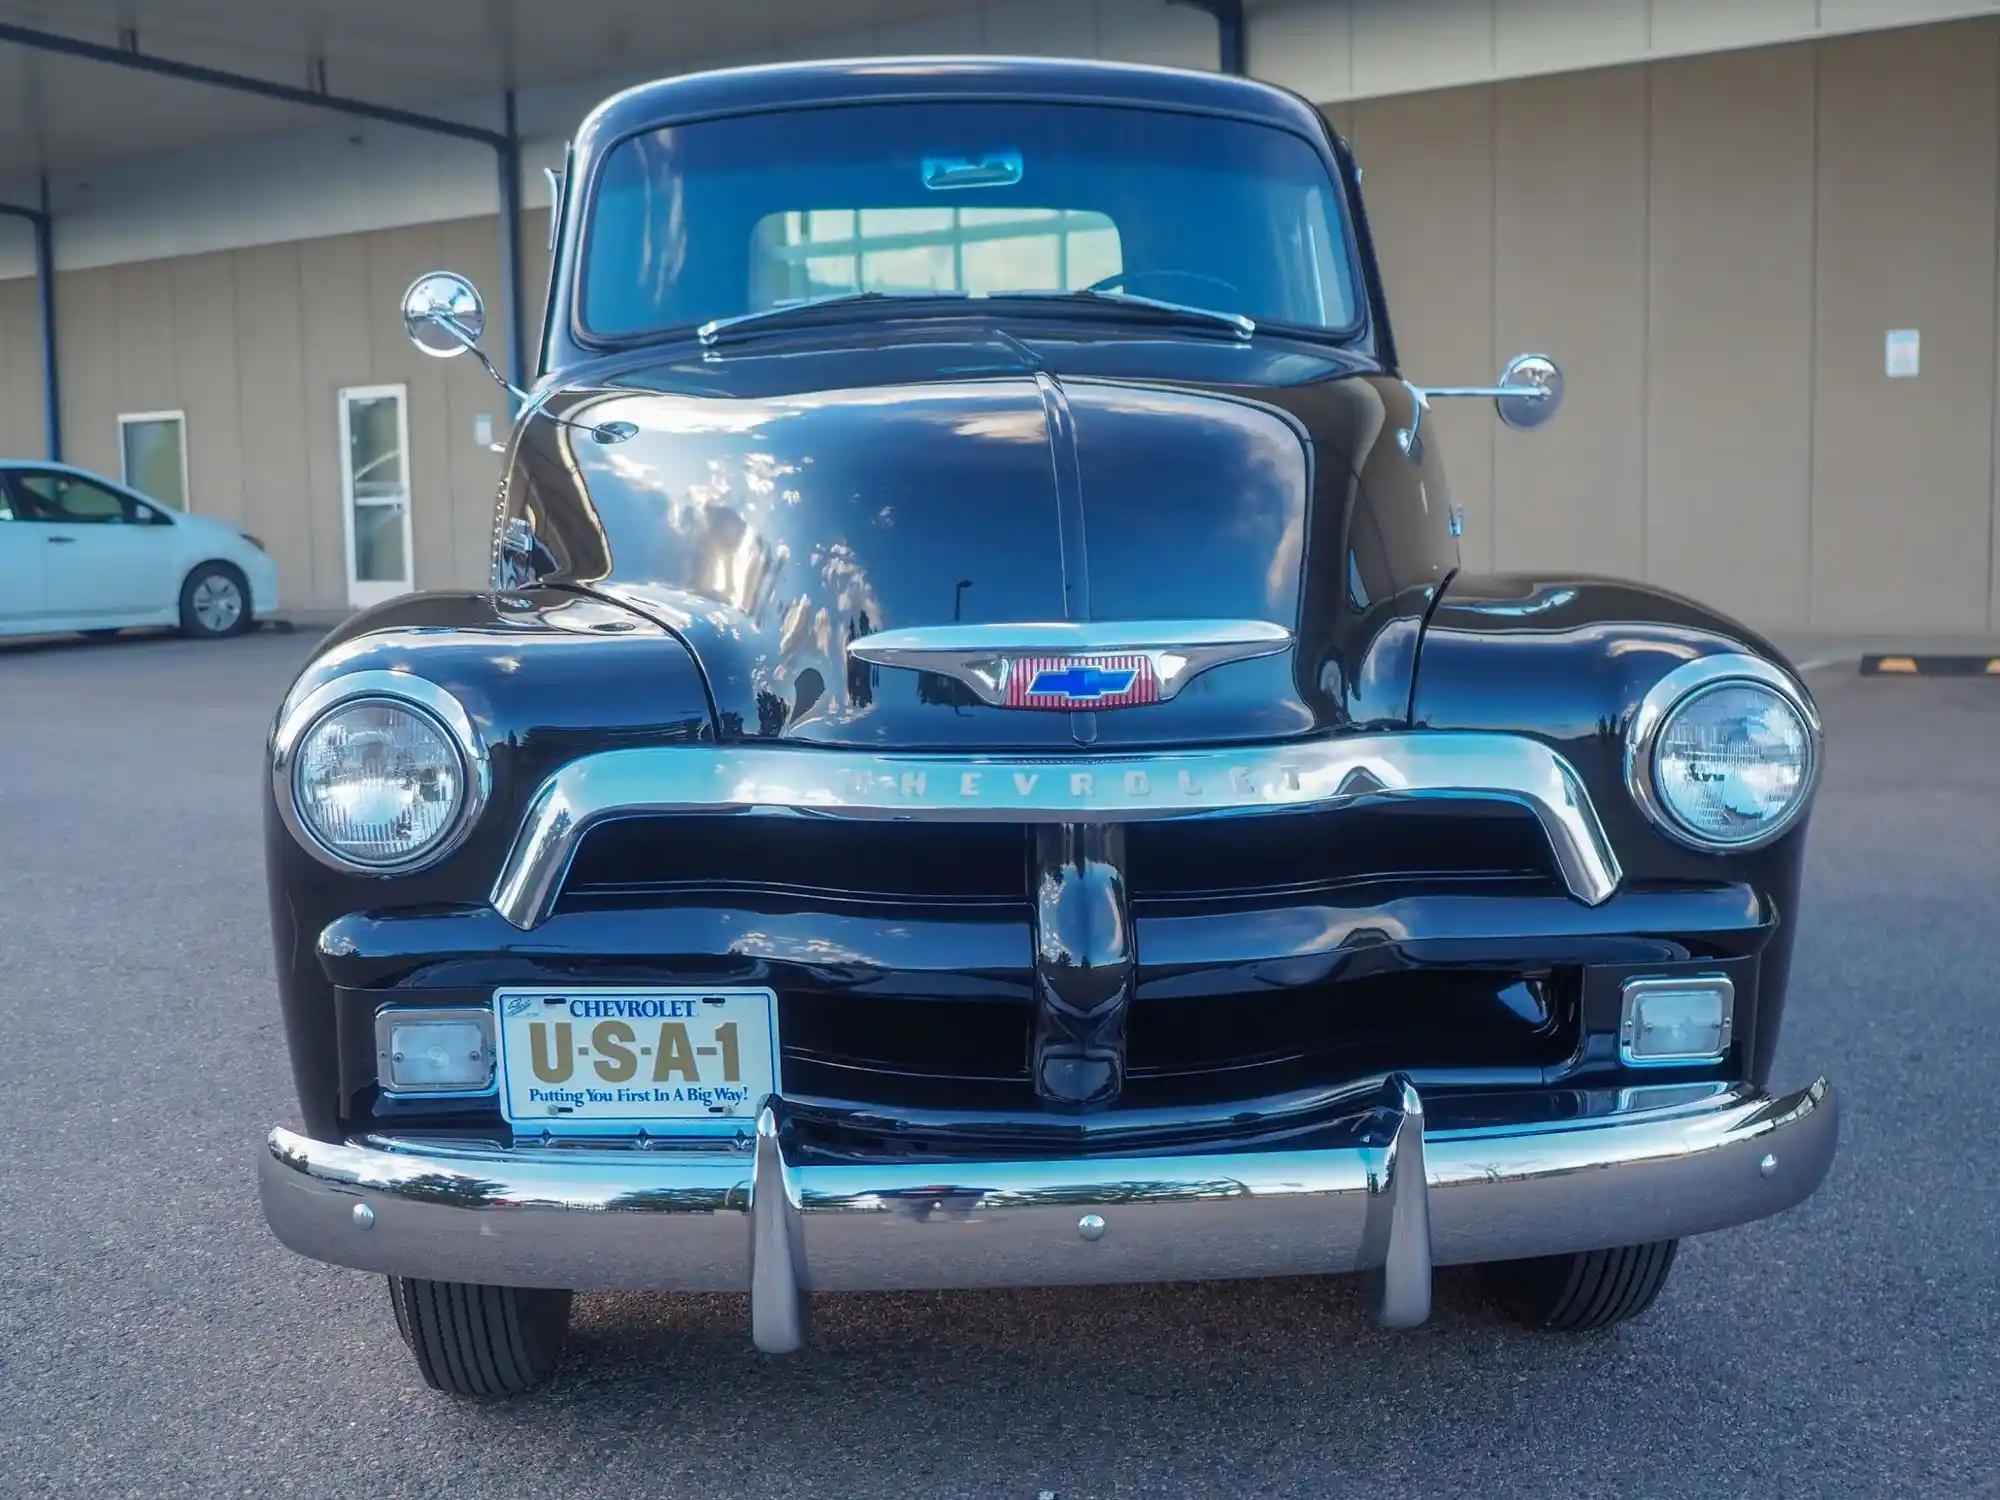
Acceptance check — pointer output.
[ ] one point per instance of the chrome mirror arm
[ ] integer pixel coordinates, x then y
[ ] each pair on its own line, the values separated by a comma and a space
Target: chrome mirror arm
443, 319
1529, 391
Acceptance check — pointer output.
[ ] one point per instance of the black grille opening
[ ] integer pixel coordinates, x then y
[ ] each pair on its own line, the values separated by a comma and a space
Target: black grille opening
1270, 853
910, 1054
1182, 1053
896, 861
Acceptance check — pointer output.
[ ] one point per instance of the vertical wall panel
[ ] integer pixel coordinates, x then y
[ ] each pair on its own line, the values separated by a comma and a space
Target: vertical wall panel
1728, 393
1428, 164
333, 275
1570, 252
393, 259
87, 304
1902, 472
22, 431
147, 377
270, 363
205, 383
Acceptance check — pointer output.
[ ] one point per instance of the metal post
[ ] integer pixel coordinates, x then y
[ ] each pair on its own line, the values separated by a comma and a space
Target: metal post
1232, 45
45, 278
509, 154
45, 272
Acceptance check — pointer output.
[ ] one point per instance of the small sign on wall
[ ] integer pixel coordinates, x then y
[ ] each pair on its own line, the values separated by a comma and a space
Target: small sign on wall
1900, 353
482, 429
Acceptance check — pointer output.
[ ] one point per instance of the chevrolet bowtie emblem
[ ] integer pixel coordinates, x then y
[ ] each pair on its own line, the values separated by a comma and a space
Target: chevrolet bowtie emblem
1074, 666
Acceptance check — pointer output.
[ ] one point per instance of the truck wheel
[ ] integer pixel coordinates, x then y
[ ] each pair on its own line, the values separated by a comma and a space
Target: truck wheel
215, 602
480, 1340
1590, 1289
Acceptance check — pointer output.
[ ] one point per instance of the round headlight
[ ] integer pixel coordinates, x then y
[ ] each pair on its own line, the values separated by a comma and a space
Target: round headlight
379, 783
1725, 760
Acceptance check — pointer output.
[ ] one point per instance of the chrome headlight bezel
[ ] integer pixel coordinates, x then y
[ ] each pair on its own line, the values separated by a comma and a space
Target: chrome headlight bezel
414, 695
1683, 686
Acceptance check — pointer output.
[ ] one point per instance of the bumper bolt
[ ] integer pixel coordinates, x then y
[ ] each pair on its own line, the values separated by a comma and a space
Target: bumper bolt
364, 1216
1091, 1227
1768, 1167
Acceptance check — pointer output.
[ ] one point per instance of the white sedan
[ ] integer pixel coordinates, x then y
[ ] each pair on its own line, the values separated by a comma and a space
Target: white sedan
78, 552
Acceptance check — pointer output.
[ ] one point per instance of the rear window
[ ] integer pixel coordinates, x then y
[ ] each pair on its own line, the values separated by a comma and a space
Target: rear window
801, 254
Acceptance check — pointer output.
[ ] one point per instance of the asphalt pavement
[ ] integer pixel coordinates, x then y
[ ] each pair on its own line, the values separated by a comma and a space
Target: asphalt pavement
156, 1341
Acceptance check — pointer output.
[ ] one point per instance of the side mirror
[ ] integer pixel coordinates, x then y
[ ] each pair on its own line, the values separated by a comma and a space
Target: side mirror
443, 315
1531, 388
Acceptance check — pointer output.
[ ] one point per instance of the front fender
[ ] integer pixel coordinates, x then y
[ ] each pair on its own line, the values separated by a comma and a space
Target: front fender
1568, 661
545, 675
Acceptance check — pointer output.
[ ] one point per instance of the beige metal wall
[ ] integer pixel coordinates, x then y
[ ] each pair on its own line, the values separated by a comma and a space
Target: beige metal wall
1714, 248
254, 345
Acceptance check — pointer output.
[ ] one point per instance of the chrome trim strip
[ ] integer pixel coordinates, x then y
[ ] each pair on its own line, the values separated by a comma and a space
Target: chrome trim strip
1310, 774
675, 1220
1689, 681
984, 656
1399, 1285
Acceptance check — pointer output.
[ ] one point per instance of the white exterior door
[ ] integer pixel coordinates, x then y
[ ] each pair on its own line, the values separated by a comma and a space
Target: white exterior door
375, 491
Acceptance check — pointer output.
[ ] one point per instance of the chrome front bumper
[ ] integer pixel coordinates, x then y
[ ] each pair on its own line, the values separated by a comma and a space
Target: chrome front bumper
731, 1220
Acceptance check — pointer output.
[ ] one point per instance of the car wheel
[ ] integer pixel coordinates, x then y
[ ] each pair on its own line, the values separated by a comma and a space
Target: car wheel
480, 1340
1590, 1289
215, 602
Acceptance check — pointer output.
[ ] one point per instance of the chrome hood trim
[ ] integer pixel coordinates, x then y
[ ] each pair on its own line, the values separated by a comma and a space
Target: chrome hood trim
986, 657
1295, 777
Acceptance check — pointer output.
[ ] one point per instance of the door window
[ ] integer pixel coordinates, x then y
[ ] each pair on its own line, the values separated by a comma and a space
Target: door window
154, 449
46, 495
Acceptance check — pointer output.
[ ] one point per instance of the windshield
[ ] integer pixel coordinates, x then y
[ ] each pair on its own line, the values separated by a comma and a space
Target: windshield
731, 216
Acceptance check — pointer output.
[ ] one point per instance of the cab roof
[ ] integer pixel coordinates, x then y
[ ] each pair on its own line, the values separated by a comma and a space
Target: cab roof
869, 80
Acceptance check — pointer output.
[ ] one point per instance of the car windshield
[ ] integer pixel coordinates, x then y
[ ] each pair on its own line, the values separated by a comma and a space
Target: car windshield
724, 217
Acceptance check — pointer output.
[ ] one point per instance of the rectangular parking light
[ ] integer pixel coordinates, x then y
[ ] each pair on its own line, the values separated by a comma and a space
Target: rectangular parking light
1669, 1021
434, 1051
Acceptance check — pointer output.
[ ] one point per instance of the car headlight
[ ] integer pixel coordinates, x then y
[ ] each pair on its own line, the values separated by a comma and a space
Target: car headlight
378, 776
1723, 752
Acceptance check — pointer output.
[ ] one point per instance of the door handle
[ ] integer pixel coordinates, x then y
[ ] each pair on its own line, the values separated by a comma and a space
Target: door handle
62, 541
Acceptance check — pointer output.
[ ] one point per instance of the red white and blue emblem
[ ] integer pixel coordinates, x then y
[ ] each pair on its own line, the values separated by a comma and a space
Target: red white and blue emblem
1080, 683
1073, 666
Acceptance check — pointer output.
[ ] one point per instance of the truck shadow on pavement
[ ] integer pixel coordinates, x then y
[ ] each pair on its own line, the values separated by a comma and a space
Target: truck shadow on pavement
1222, 1387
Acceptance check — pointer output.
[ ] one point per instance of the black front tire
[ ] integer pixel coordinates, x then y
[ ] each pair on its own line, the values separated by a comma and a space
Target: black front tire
215, 603
480, 1340
1590, 1289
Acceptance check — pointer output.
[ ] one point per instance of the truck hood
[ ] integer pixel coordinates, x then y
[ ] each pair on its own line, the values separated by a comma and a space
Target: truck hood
775, 505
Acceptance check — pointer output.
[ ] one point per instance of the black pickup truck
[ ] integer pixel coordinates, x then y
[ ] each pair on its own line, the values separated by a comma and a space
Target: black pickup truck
979, 765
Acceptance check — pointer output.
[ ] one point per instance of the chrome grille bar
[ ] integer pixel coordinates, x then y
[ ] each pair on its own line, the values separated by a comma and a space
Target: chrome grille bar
1221, 781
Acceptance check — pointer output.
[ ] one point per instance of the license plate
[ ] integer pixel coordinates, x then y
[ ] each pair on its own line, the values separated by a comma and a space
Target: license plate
622, 1060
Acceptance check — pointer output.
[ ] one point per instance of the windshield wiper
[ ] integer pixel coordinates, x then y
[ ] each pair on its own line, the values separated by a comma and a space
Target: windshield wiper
713, 331
1239, 324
